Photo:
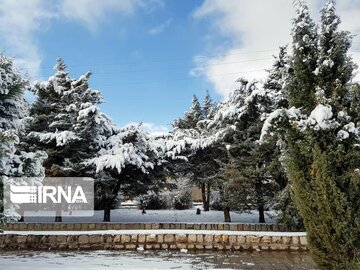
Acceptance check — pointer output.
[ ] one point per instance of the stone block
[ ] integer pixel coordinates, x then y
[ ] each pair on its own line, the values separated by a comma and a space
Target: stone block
192, 238
208, 238
169, 238
141, 238
151, 238
276, 240
241, 239
286, 240
303, 240
134, 238
125, 238
218, 238
199, 247
232, 239
130, 246
181, 238
225, 238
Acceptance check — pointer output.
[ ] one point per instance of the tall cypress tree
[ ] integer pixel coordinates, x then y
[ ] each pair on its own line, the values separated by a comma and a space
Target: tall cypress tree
322, 155
300, 89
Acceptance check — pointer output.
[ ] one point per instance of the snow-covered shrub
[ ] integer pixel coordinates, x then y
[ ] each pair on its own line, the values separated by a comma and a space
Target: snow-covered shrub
182, 199
153, 201
215, 203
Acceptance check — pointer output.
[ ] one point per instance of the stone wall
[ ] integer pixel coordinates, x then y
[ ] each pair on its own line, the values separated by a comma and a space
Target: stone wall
148, 226
143, 240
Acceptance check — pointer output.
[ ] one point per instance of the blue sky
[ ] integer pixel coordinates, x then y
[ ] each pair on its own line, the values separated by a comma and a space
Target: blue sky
140, 63
149, 57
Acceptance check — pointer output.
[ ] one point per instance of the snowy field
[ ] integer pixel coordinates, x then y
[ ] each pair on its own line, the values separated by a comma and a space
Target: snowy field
158, 216
110, 260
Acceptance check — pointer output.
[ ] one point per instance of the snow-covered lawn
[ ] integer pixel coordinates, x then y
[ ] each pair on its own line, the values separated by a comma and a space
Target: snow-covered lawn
158, 216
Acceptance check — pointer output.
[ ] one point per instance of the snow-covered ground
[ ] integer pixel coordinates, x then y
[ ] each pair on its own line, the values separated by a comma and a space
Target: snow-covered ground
153, 260
158, 216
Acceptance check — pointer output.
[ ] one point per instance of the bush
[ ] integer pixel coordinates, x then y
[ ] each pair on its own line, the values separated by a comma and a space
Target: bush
182, 199
178, 199
215, 203
153, 201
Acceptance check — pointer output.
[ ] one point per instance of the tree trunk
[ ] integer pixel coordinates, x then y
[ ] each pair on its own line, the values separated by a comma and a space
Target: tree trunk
21, 212
58, 217
207, 205
205, 194
227, 217
261, 214
107, 211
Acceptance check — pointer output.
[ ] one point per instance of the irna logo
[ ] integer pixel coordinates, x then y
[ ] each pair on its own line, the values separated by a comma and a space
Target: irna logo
46, 194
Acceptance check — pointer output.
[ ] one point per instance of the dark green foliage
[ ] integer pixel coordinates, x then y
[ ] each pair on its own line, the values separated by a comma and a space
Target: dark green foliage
201, 167
300, 89
254, 169
323, 163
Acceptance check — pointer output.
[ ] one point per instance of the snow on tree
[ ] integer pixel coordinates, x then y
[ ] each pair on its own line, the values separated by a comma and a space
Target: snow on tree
14, 161
200, 167
191, 117
134, 162
249, 167
304, 60
321, 131
66, 123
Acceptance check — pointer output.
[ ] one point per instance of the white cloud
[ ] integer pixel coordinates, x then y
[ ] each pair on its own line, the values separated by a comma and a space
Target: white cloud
92, 12
160, 28
254, 26
19, 20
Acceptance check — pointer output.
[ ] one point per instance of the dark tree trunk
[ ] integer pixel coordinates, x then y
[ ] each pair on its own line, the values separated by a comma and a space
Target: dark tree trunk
111, 191
261, 214
21, 212
58, 217
107, 211
205, 194
207, 206
227, 217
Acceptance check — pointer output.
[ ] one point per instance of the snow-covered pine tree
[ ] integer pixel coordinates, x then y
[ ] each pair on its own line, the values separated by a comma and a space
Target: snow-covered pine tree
14, 162
276, 99
248, 174
208, 108
304, 60
132, 161
66, 123
50, 126
323, 155
191, 117
200, 167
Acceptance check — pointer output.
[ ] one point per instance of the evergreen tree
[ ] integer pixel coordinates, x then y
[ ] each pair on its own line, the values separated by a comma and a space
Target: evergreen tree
191, 117
133, 162
274, 86
251, 167
302, 82
322, 156
200, 167
50, 125
14, 162
66, 123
